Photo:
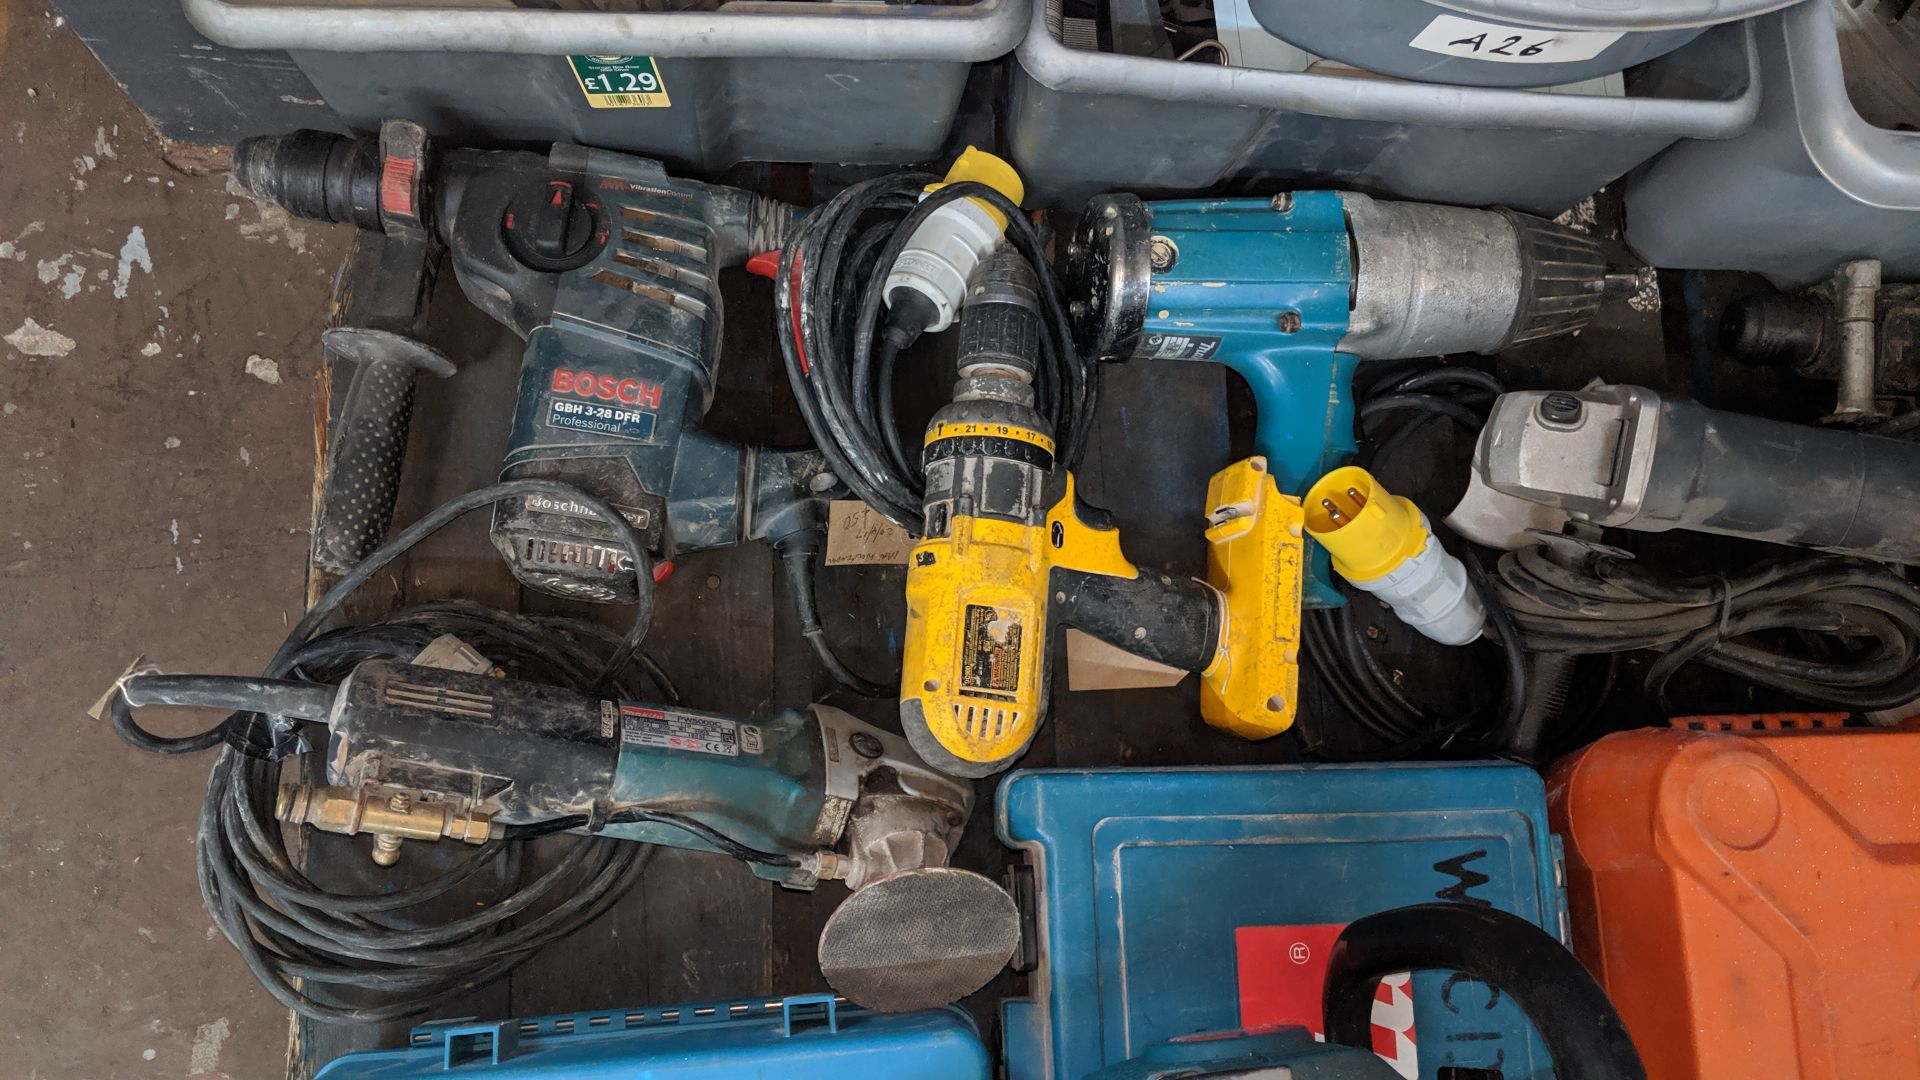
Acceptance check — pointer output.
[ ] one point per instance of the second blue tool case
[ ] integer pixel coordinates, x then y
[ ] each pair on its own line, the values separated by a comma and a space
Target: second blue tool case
1150, 884
806, 1037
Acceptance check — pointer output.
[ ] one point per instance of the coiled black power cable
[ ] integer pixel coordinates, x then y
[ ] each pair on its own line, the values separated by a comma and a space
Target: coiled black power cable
351, 957
1863, 619
841, 359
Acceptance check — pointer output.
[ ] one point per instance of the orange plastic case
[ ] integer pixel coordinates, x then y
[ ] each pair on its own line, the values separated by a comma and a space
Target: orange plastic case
1751, 899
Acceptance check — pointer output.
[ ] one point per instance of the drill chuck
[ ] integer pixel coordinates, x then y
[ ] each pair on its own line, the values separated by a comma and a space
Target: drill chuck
313, 174
988, 452
1001, 333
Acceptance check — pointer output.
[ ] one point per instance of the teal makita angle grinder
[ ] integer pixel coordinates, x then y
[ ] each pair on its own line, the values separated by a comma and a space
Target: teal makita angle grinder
430, 754
1293, 292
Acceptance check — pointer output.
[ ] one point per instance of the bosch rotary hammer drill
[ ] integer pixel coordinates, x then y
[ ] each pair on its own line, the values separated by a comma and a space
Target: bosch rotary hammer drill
608, 268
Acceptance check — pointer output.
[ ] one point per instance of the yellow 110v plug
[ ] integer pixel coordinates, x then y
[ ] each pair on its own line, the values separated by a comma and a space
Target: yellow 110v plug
1382, 543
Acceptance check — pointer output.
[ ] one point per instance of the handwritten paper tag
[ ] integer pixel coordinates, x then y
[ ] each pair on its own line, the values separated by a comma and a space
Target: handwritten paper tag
857, 535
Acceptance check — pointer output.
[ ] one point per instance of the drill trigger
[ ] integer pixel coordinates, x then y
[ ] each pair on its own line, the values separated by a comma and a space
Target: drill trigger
1090, 546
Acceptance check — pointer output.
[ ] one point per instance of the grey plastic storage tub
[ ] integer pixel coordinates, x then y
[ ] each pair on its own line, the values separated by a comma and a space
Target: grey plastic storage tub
1085, 122
775, 80
1811, 186
1498, 42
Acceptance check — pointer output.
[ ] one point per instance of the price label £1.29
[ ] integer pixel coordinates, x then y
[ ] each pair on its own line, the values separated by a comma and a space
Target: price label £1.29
620, 82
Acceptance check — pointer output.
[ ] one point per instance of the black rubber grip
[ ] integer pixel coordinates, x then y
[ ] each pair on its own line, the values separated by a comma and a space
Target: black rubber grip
313, 174
363, 465
1167, 619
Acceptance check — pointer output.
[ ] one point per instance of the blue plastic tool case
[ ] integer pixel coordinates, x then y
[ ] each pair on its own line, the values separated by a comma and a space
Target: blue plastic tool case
794, 1038
1142, 877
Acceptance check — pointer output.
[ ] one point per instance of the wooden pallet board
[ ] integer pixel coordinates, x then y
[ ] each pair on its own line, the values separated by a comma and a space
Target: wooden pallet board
701, 927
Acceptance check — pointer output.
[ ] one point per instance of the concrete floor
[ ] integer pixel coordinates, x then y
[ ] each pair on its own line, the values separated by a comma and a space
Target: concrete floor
154, 482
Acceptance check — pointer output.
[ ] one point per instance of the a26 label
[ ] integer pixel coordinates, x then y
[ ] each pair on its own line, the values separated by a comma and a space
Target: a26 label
1451, 35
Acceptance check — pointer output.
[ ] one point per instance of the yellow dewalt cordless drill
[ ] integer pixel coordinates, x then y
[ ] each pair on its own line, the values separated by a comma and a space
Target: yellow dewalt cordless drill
1010, 550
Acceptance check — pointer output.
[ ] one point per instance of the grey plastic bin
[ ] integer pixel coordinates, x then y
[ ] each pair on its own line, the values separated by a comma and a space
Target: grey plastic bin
1084, 122
775, 80
1811, 186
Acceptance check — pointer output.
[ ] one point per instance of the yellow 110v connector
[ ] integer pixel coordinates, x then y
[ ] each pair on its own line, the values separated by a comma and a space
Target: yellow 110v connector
1382, 543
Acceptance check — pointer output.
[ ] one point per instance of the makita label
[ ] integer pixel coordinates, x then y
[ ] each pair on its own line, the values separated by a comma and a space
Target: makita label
589, 386
1176, 347
671, 729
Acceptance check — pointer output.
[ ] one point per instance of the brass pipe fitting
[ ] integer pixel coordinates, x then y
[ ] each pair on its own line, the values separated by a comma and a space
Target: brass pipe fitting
390, 817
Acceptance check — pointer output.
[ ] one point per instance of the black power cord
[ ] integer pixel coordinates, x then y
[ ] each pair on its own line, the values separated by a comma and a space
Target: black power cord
1825, 630
344, 956
797, 554
841, 352
365, 957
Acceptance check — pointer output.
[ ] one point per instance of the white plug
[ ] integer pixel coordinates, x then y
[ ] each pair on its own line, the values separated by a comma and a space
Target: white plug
940, 258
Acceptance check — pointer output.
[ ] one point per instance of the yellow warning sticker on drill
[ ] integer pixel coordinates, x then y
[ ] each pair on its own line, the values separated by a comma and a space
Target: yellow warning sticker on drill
620, 82
990, 650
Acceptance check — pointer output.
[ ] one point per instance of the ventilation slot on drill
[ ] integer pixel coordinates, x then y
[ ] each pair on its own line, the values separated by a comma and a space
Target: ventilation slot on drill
439, 699
655, 219
565, 553
662, 269
980, 721
686, 249
652, 292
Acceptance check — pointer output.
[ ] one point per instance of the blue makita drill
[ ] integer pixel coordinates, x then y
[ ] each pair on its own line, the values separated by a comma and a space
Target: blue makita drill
1293, 292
